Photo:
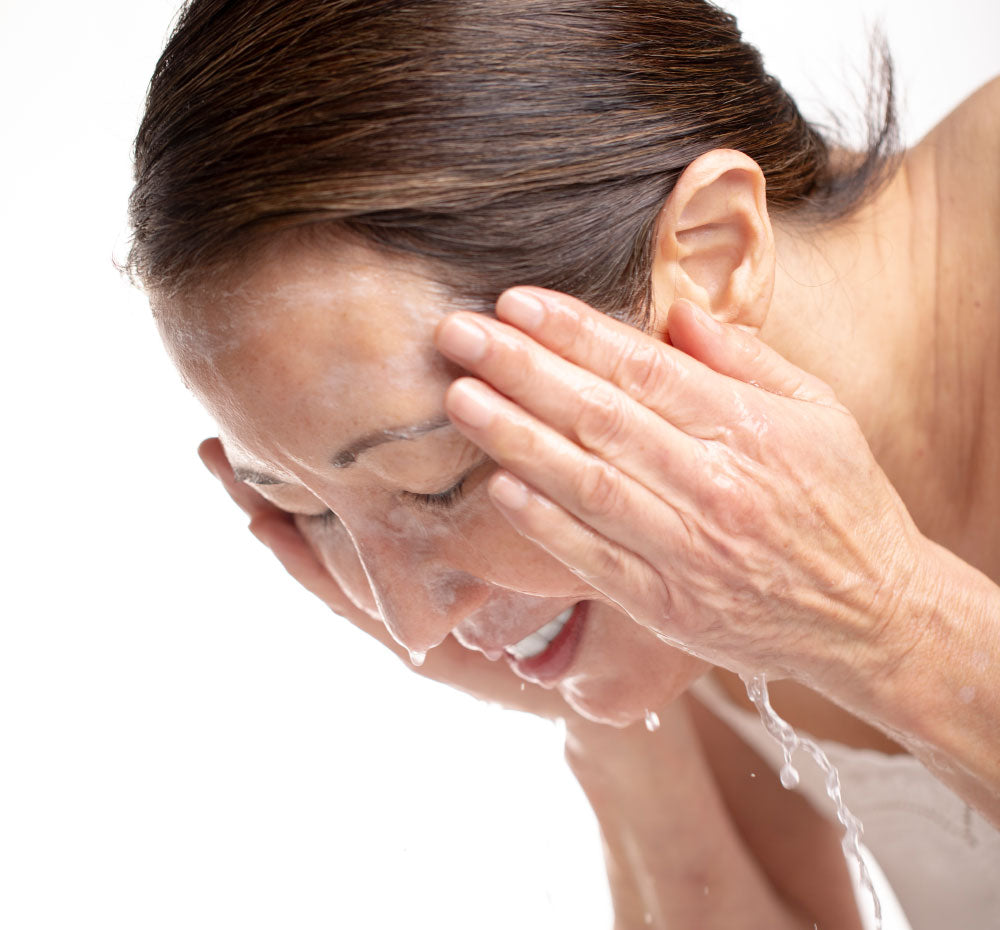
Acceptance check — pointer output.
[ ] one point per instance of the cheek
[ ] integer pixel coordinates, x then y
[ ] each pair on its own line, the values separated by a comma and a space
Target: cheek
436, 549
486, 546
471, 540
334, 548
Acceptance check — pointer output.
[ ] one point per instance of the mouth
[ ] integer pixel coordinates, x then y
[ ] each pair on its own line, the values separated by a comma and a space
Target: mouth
545, 655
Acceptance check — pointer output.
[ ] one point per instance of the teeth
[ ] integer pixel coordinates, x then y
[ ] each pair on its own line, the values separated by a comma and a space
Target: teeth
534, 644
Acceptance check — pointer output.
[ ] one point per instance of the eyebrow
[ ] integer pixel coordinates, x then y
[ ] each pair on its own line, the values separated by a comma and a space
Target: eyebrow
348, 455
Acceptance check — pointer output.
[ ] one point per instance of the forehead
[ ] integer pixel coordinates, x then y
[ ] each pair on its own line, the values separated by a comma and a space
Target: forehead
328, 342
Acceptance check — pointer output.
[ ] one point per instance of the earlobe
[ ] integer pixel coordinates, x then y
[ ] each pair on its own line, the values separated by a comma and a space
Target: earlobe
714, 242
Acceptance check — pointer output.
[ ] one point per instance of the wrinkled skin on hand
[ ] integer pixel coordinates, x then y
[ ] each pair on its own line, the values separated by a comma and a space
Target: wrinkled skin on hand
715, 492
298, 546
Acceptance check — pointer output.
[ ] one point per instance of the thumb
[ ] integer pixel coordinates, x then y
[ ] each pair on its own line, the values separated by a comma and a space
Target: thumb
733, 351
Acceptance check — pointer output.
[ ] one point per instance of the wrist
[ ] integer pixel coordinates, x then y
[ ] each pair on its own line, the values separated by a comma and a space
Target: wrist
867, 626
930, 678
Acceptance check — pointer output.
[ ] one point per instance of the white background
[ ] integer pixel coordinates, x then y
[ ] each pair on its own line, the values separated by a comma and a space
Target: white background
187, 739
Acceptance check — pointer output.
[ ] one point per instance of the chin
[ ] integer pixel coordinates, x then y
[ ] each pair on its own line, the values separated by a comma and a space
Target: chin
620, 701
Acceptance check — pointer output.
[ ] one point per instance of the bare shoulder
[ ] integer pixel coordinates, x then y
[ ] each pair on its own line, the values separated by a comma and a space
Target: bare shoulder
975, 122
963, 151
954, 179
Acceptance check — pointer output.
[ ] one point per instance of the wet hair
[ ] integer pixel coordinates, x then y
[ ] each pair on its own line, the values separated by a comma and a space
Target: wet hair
501, 142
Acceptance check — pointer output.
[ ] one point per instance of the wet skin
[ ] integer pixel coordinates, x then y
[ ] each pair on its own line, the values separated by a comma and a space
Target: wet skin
800, 556
260, 356
316, 349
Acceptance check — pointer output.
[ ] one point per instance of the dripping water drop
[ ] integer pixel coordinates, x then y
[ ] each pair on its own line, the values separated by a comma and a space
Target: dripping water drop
417, 658
789, 776
652, 721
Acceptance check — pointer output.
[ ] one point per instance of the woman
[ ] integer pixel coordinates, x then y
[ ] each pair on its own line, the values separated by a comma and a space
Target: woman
755, 438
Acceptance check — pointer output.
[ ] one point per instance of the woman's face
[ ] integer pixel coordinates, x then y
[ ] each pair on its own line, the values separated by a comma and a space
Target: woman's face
320, 370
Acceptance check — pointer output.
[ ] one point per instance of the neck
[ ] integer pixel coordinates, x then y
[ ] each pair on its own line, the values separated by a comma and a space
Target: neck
859, 305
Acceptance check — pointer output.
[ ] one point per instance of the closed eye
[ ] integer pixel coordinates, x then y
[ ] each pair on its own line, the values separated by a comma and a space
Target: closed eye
449, 498
441, 500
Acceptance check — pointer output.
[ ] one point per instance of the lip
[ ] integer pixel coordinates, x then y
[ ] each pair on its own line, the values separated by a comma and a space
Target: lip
472, 636
546, 669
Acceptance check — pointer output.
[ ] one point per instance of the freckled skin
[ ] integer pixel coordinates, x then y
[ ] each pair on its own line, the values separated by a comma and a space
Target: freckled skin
319, 348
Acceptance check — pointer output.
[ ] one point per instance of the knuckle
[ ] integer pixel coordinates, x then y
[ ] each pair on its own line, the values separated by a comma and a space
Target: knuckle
519, 445
726, 499
599, 489
602, 421
606, 562
642, 371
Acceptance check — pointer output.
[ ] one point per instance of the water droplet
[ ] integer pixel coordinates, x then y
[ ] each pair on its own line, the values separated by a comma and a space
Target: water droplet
652, 721
753, 774
790, 741
522, 685
789, 776
417, 658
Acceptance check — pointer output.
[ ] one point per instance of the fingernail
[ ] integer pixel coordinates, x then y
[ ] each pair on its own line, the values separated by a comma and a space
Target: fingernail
471, 403
463, 339
509, 492
522, 308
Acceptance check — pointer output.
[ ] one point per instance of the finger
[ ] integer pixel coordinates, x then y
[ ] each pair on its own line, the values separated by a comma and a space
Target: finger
595, 492
737, 353
679, 388
276, 529
592, 412
448, 662
300, 561
620, 574
246, 498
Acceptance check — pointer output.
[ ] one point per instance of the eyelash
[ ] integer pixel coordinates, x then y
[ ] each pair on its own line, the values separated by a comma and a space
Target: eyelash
443, 500
440, 501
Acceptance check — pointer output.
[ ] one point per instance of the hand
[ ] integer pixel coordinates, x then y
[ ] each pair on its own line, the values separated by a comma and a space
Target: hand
715, 492
301, 550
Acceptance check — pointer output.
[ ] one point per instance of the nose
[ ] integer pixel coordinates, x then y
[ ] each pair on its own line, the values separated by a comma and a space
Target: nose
420, 597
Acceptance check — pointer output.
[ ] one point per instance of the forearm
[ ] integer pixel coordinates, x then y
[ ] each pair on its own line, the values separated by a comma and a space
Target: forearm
673, 855
934, 682
642, 896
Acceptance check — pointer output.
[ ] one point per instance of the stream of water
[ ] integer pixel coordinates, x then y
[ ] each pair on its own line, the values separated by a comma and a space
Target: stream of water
790, 741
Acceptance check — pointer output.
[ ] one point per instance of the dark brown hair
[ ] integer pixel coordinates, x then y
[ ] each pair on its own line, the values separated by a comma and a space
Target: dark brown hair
502, 141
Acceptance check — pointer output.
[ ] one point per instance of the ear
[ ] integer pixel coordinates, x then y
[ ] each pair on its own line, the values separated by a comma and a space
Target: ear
714, 244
